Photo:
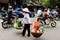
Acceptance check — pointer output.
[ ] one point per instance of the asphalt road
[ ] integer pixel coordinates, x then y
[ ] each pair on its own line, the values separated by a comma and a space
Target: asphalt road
14, 34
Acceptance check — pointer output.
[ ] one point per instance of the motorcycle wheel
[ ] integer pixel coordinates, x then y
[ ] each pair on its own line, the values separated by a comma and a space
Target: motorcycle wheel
4, 24
53, 24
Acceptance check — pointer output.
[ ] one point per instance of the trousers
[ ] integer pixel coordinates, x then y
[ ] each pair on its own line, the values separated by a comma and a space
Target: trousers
26, 27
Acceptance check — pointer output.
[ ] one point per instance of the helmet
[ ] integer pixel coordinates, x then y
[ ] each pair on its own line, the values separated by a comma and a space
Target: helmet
10, 6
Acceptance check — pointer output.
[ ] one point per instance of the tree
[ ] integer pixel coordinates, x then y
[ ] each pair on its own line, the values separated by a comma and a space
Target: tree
51, 3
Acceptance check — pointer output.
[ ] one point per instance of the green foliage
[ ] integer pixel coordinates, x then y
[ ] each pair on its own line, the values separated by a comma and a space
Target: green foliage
51, 3
54, 2
46, 2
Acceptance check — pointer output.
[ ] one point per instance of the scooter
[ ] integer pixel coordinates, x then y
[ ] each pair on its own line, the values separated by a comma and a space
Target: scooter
52, 22
5, 23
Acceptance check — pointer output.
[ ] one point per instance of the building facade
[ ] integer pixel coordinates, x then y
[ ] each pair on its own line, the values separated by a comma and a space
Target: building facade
4, 1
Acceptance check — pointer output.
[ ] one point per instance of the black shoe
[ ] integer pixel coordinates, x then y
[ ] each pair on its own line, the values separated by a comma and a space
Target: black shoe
28, 36
22, 35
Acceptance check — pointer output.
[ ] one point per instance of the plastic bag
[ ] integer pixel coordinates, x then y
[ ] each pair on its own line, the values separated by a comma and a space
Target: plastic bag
42, 27
16, 24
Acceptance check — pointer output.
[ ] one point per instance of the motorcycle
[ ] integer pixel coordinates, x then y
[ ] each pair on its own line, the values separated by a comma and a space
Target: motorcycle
52, 22
5, 23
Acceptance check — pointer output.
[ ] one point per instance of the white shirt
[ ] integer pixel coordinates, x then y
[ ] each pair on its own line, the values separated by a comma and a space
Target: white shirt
39, 12
48, 11
26, 19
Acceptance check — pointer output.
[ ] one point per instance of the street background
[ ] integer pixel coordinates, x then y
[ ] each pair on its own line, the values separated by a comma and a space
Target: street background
14, 34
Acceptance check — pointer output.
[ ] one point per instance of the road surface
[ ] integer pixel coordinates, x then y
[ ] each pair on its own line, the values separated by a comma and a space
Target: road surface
14, 34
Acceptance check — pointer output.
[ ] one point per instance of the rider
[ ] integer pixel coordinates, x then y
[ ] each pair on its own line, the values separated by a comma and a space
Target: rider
3, 11
54, 13
45, 15
39, 12
10, 13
